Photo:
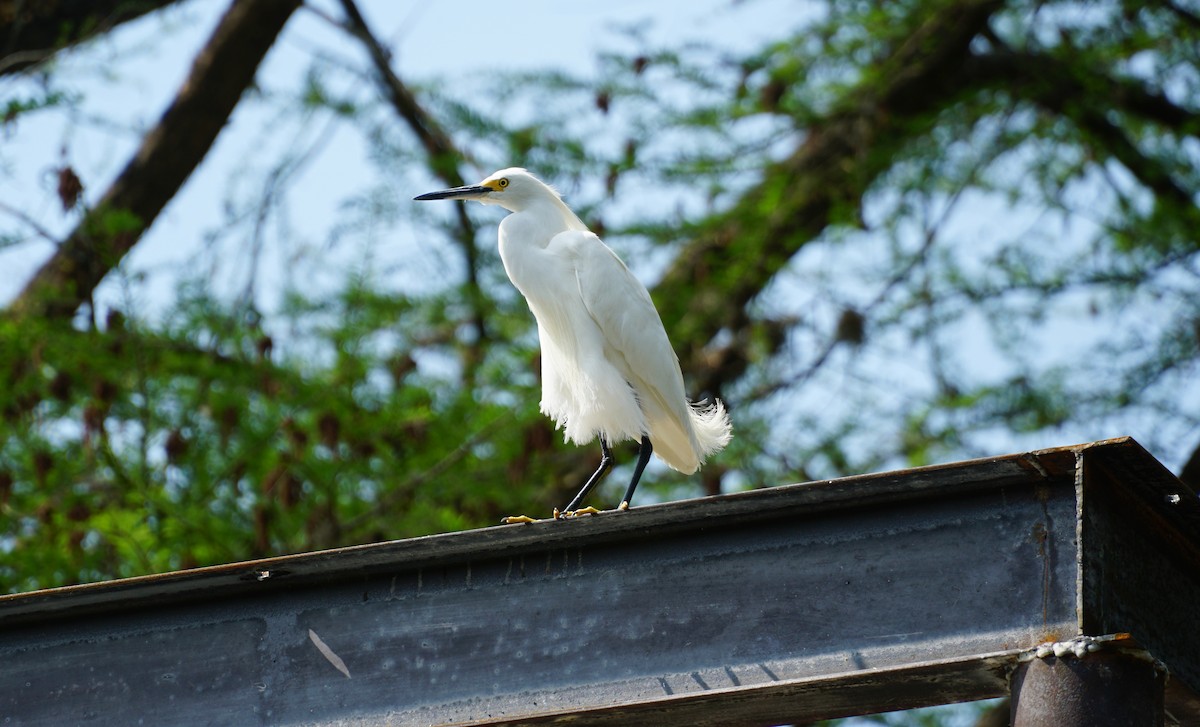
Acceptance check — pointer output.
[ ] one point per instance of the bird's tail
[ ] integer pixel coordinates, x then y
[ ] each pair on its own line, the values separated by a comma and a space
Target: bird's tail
712, 427
684, 436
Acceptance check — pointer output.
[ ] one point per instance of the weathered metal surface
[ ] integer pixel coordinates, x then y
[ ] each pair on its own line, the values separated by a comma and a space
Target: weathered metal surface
794, 603
1140, 559
803, 499
1103, 689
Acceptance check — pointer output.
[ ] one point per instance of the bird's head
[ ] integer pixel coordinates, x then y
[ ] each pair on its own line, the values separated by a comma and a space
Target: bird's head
512, 188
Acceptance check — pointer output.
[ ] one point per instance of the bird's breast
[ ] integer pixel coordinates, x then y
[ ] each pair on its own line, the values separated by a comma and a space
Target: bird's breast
535, 270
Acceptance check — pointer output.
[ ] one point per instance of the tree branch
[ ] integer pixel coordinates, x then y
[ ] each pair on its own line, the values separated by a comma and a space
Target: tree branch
1085, 96
1184, 14
823, 181
220, 74
444, 159
31, 31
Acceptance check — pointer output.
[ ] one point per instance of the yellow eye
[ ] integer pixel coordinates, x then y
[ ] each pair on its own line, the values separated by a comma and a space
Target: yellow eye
503, 182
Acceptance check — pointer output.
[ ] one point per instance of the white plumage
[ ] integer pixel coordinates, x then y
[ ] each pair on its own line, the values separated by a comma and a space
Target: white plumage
608, 369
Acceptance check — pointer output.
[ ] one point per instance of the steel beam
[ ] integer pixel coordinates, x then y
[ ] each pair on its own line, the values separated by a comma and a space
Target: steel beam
793, 603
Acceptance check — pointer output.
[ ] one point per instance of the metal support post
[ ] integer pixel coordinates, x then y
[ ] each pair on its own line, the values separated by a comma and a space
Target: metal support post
1105, 688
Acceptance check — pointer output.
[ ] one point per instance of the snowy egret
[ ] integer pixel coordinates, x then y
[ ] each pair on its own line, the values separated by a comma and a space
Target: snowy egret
608, 369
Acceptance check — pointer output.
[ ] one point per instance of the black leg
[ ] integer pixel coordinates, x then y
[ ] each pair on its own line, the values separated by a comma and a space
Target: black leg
606, 460
643, 459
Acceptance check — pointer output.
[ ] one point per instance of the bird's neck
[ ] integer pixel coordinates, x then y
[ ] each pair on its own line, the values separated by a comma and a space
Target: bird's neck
554, 206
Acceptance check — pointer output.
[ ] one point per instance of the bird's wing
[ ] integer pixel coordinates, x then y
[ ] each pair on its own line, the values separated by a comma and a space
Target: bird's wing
620, 306
623, 311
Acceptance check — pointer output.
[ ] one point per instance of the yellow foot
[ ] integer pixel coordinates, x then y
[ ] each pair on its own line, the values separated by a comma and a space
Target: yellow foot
624, 505
514, 519
564, 514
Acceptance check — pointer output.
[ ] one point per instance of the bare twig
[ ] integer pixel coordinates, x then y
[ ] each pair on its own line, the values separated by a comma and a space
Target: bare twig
444, 159
220, 74
28, 222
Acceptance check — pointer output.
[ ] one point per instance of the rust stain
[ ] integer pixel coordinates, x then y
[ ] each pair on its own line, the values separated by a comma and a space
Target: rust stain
1040, 537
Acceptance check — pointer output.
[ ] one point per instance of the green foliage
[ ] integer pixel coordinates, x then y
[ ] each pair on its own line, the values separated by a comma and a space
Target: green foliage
14, 108
134, 450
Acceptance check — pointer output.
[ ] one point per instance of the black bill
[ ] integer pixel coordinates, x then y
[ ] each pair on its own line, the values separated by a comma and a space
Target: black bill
467, 192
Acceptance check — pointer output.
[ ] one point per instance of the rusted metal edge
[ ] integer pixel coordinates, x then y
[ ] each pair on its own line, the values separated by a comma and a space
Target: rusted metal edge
1050, 465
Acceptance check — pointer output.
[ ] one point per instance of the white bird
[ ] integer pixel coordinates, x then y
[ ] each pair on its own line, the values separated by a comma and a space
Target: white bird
608, 369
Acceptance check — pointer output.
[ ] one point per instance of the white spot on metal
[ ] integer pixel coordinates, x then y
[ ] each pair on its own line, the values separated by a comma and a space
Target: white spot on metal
328, 653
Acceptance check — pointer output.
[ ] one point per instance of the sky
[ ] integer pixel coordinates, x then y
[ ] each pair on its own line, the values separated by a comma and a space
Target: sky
127, 78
